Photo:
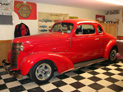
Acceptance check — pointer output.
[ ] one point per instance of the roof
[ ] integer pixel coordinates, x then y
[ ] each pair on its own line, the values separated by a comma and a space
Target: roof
78, 21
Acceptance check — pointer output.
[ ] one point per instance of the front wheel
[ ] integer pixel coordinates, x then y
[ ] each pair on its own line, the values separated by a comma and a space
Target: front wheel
112, 55
41, 72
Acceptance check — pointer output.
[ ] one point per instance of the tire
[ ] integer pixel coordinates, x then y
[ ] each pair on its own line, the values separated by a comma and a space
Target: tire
41, 72
112, 55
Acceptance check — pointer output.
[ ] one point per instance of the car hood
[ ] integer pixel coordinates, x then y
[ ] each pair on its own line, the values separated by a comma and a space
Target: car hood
42, 37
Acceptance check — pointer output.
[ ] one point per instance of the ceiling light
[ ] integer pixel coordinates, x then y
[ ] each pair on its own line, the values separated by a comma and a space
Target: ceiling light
118, 2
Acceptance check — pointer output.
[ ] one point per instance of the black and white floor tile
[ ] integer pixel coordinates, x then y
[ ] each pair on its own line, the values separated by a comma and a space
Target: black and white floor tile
100, 77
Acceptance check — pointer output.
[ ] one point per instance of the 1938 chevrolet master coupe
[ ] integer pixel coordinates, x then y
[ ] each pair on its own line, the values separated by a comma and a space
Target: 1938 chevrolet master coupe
71, 44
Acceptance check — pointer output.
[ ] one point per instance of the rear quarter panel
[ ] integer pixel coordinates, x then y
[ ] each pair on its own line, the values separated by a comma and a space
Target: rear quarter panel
111, 42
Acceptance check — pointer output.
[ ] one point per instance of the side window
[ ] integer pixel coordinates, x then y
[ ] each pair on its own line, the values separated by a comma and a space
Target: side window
79, 30
85, 29
62, 27
99, 29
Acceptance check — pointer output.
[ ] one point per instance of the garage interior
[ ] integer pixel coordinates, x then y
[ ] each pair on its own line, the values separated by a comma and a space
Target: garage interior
100, 77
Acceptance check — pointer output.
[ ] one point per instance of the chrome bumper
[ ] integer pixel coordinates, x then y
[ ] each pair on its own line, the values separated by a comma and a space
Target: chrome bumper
12, 73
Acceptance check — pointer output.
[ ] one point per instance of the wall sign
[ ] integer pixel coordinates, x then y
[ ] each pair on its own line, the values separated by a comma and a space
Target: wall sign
73, 17
7, 5
25, 10
46, 20
112, 12
6, 8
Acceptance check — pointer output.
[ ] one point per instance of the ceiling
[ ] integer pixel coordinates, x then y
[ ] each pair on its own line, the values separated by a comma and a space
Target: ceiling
90, 4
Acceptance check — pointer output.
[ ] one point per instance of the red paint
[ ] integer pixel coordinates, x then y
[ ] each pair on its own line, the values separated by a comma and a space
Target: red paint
64, 49
62, 63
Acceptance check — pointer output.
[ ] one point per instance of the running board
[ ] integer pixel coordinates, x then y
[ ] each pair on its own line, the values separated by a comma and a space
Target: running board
86, 63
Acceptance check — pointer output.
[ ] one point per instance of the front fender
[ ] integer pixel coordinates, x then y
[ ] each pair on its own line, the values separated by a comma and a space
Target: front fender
108, 48
62, 63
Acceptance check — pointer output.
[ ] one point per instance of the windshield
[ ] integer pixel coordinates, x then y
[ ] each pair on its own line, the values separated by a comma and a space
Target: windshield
62, 27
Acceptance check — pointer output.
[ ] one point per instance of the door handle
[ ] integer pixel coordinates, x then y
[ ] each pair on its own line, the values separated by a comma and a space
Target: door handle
97, 39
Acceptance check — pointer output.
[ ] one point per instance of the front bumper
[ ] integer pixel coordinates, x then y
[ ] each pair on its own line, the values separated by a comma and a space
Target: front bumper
12, 73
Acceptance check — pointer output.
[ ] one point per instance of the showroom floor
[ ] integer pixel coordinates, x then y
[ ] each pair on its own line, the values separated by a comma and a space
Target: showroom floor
101, 77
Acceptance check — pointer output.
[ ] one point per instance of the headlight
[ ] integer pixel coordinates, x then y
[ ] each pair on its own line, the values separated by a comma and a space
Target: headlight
26, 47
21, 47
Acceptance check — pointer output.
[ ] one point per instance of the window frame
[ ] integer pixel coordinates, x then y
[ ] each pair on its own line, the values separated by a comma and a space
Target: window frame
98, 30
82, 29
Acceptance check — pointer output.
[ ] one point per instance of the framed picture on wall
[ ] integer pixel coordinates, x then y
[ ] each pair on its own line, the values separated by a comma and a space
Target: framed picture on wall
46, 20
6, 9
6, 18
7, 5
100, 18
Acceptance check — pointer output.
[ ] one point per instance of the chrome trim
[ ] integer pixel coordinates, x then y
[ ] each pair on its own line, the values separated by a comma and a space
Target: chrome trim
12, 73
15, 50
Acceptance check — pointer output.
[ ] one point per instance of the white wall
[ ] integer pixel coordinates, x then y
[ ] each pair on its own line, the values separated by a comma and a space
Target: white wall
116, 16
7, 31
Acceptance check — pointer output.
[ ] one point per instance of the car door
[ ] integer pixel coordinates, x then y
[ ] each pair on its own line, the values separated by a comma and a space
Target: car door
84, 43
103, 40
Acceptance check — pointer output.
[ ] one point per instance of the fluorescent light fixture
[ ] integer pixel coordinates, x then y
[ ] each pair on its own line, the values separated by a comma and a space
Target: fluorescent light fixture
118, 2
24, 2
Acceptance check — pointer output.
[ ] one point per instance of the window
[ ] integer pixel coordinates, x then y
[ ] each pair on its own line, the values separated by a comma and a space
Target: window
85, 29
99, 29
62, 27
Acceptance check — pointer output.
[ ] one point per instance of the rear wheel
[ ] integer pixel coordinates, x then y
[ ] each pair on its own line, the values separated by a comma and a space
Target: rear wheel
41, 72
112, 55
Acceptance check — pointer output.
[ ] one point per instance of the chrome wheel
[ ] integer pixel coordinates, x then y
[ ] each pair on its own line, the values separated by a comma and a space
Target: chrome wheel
43, 71
113, 55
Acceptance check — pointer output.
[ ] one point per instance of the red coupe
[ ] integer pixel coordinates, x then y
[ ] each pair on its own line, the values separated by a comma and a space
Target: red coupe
71, 44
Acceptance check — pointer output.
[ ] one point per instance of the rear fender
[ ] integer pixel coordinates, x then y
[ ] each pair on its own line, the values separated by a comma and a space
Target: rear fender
62, 63
108, 48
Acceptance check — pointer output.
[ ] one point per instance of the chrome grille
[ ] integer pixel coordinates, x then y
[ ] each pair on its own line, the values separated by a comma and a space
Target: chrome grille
15, 50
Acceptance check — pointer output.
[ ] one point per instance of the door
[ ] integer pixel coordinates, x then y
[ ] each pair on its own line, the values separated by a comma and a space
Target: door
84, 44
103, 40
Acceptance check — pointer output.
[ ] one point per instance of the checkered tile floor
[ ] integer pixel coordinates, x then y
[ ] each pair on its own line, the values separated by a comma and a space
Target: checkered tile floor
101, 77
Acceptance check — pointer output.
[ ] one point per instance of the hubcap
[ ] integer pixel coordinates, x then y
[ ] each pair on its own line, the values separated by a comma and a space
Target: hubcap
113, 55
43, 71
